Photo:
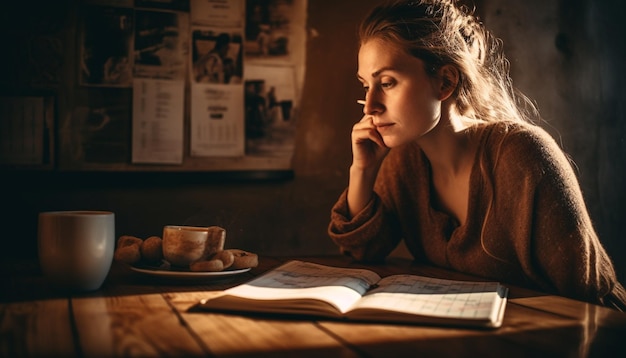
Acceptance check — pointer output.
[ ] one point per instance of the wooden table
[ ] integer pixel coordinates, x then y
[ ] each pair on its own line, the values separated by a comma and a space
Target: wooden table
137, 315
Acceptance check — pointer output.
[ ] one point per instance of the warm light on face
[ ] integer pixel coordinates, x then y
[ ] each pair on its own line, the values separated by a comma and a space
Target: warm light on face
399, 95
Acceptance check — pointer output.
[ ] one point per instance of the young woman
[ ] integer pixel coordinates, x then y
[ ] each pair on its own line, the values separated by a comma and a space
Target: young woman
447, 158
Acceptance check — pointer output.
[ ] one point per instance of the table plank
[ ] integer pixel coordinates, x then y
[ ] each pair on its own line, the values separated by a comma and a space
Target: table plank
601, 330
137, 325
243, 335
134, 315
385, 340
36, 328
525, 332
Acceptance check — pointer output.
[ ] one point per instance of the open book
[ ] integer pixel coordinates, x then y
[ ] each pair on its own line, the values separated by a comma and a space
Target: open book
309, 289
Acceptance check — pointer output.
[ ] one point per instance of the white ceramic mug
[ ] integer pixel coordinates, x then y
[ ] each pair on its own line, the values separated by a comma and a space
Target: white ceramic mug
76, 248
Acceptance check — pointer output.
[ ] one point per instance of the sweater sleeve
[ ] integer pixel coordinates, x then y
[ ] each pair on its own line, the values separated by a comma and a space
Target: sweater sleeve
368, 236
557, 245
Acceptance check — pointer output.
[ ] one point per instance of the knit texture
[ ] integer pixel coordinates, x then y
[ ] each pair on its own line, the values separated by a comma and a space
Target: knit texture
526, 225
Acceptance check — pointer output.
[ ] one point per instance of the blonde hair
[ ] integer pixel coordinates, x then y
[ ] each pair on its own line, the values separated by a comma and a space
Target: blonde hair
444, 32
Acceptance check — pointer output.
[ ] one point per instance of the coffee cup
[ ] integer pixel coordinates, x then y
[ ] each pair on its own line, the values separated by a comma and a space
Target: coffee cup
183, 245
76, 248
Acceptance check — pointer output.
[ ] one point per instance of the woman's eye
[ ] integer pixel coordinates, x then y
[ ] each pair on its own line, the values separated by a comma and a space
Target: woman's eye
386, 84
365, 88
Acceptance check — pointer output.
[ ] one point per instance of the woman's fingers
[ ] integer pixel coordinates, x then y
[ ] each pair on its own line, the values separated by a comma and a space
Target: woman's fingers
368, 147
365, 130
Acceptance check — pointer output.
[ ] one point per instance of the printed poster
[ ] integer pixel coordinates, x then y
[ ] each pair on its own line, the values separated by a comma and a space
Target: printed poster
217, 121
158, 121
219, 13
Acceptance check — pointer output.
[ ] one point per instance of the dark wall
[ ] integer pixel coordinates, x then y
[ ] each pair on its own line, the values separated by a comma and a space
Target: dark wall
268, 216
567, 55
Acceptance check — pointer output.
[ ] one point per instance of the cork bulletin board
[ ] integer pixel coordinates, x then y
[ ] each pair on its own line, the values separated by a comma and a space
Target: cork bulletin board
191, 85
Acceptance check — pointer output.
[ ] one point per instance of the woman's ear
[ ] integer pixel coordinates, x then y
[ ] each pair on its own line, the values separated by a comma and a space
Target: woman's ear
449, 76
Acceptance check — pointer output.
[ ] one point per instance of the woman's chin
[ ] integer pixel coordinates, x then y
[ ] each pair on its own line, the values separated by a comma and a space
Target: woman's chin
391, 141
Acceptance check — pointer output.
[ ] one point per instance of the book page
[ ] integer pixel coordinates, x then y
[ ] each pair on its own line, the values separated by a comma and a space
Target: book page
436, 297
298, 280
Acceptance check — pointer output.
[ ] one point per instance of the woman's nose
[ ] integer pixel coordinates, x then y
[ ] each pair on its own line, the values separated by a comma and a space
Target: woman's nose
371, 105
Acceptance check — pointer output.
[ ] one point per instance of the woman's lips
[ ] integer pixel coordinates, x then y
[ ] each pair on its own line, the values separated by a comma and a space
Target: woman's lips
383, 126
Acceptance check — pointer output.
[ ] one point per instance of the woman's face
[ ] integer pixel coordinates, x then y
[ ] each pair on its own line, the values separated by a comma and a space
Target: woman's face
400, 97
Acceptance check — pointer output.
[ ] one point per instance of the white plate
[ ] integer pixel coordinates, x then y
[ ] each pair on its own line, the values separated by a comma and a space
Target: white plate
184, 274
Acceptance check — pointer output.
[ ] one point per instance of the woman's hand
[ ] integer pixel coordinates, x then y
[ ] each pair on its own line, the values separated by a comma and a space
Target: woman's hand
368, 147
368, 152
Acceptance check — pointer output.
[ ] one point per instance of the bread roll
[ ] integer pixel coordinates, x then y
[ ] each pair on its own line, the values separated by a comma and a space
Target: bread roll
207, 265
127, 240
129, 254
152, 249
243, 259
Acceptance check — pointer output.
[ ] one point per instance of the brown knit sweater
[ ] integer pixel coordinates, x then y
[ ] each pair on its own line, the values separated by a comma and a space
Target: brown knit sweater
527, 223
